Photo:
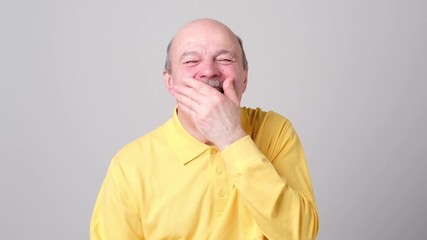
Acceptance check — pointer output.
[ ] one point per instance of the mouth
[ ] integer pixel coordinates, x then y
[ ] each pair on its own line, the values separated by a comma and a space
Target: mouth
215, 83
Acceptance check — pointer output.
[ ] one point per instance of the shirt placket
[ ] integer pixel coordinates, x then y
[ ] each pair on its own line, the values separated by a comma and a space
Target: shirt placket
221, 183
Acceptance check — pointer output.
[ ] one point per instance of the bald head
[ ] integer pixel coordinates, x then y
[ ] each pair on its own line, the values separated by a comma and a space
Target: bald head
203, 27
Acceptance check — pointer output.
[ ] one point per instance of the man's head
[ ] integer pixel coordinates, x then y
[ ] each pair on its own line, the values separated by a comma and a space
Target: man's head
208, 51
168, 67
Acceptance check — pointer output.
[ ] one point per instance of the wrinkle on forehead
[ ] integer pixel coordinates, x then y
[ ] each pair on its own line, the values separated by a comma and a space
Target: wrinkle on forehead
205, 30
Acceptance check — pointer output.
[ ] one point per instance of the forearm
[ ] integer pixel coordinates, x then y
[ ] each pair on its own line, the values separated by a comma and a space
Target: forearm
282, 211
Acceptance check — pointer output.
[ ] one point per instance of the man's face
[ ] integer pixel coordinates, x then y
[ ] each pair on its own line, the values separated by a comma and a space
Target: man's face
208, 52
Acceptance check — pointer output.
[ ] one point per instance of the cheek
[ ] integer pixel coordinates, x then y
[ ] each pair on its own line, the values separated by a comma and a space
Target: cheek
235, 70
240, 83
239, 88
177, 75
186, 72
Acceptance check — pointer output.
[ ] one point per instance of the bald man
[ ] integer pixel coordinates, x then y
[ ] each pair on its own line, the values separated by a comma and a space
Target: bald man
215, 170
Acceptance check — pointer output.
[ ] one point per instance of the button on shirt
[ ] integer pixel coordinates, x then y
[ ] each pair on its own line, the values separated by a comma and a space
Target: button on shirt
168, 185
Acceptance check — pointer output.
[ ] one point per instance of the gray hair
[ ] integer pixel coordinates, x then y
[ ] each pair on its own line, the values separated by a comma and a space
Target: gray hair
168, 67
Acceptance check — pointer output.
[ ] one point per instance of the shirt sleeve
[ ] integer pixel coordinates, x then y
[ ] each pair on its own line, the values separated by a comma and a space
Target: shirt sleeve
277, 190
116, 215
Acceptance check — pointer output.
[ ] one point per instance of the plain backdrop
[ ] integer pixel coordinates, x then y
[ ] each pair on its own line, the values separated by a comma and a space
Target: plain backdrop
81, 78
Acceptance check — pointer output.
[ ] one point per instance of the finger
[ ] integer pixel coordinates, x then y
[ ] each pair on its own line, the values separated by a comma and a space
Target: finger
185, 109
182, 91
230, 91
199, 86
185, 101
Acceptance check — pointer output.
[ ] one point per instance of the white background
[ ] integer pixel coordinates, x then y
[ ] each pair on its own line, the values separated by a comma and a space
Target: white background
80, 79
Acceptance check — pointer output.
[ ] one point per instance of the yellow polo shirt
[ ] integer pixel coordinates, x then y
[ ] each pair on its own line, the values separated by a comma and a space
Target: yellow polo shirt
168, 185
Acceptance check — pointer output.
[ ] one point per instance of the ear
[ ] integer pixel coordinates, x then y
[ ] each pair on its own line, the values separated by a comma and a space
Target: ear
245, 82
167, 80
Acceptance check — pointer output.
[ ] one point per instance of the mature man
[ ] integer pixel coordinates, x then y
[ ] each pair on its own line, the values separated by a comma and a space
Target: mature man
215, 170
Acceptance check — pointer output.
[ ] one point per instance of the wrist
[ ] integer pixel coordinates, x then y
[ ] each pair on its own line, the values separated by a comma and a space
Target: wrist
232, 137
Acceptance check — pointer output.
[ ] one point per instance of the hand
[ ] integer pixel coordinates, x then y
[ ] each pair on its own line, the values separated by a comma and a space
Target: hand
215, 115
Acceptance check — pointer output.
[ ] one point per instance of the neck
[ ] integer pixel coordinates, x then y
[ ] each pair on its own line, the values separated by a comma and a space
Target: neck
189, 126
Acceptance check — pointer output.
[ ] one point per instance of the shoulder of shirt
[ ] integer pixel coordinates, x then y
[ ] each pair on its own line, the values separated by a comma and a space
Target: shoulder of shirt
271, 132
132, 150
258, 116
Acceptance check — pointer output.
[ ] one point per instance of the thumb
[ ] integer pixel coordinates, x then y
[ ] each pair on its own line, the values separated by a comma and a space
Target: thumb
229, 91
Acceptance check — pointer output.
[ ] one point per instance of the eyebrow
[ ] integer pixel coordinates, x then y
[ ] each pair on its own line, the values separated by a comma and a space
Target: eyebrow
185, 54
226, 52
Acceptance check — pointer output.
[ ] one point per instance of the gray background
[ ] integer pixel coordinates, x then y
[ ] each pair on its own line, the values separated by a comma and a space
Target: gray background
79, 79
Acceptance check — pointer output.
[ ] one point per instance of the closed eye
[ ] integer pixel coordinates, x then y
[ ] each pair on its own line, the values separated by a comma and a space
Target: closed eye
190, 62
190, 58
226, 60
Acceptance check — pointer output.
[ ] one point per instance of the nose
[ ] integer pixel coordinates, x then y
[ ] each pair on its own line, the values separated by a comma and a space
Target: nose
208, 70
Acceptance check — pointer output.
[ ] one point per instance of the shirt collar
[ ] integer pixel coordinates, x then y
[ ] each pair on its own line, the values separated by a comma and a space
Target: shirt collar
184, 145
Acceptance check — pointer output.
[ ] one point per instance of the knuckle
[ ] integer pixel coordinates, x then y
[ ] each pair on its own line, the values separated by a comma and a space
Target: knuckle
216, 99
198, 86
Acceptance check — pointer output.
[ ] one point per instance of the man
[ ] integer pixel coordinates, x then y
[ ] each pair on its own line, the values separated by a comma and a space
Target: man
215, 170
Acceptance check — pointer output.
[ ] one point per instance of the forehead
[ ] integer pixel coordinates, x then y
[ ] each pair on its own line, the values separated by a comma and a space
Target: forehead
205, 37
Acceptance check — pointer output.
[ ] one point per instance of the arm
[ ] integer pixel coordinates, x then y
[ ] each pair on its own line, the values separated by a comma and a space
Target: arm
276, 188
277, 191
116, 215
